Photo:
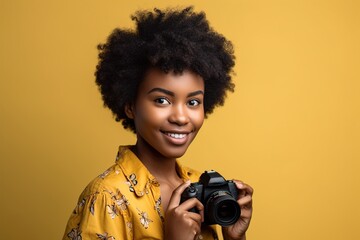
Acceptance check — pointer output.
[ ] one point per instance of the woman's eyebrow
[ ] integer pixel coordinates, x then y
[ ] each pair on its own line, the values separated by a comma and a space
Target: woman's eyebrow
167, 92
170, 93
199, 92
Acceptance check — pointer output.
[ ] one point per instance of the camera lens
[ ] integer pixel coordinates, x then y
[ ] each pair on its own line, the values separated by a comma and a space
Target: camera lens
222, 208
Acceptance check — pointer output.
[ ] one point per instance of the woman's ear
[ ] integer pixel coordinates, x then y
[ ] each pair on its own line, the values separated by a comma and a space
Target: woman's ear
129, 111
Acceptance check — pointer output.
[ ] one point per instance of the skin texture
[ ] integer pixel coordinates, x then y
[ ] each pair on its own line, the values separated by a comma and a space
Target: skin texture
168, 113
168, 103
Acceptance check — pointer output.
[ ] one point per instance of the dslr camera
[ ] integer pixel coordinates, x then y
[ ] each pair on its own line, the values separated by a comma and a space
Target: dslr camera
218, 197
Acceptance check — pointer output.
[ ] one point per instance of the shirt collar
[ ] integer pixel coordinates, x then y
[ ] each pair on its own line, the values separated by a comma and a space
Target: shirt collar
134, 170
184, 172
138, 175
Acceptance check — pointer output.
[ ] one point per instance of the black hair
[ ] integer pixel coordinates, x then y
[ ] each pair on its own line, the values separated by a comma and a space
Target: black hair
170, 40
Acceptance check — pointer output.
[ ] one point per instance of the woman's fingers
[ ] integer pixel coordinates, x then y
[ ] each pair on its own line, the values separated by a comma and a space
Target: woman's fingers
244, 198
244, 189
190, 203
176, 195
180, 223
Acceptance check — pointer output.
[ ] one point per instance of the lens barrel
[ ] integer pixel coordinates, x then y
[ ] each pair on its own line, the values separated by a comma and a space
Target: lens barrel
222, 208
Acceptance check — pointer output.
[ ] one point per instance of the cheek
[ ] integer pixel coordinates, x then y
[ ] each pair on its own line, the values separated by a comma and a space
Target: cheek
198, 119
150, 117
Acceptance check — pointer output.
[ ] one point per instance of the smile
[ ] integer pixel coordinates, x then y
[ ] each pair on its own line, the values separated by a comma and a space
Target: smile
176, 135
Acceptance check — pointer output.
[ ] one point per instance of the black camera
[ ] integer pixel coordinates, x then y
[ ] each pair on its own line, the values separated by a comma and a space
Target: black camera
218, 197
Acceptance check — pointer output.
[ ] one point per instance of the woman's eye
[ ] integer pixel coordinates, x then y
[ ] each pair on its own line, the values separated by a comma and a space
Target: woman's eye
193, 102
162, 101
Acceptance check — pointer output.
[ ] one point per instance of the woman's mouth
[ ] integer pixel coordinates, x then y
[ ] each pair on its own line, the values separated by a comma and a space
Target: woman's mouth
176, 138
176, 135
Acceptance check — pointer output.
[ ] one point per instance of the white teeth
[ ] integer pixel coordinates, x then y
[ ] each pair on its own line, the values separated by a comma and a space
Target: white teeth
176, 135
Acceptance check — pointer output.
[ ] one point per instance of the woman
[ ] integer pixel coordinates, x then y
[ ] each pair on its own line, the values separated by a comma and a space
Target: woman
160, 80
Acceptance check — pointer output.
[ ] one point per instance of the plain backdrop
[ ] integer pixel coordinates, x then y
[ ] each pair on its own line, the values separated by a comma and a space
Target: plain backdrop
291, 129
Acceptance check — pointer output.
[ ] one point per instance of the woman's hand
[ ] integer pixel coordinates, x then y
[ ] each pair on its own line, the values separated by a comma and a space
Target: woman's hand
179, 222
238, 229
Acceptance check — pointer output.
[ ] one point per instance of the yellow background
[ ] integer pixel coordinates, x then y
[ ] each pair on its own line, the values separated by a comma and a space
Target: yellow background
291, 129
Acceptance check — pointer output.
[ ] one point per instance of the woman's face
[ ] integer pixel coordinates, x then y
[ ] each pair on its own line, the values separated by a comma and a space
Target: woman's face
168, 112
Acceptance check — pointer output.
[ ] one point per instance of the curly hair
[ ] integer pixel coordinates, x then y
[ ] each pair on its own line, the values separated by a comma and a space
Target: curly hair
170, 40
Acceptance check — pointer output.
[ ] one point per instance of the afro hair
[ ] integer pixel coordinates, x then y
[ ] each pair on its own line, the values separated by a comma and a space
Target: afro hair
170, 40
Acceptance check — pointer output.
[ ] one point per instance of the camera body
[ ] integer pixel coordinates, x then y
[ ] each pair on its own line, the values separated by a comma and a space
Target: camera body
218, 197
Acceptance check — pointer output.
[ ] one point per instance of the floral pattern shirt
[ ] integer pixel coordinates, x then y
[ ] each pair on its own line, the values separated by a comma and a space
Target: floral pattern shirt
124, 202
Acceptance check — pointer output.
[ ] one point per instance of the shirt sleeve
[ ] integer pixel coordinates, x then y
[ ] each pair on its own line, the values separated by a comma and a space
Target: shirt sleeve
101, 215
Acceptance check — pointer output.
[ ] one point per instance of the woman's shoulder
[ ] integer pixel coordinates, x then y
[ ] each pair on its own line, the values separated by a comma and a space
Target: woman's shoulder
108, 181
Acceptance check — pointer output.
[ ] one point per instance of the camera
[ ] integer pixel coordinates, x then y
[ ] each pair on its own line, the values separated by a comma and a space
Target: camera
218, 197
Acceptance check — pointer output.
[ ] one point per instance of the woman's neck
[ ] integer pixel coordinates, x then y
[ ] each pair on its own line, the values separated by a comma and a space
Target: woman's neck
161, 167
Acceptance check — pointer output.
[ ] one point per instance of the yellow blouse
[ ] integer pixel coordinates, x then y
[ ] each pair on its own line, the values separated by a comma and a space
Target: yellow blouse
124, 203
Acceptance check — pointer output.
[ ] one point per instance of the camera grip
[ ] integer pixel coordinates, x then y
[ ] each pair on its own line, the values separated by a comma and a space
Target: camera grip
190, 192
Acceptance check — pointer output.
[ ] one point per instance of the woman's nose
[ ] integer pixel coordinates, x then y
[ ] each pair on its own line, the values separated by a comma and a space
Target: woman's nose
179, 115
